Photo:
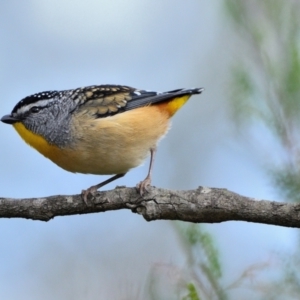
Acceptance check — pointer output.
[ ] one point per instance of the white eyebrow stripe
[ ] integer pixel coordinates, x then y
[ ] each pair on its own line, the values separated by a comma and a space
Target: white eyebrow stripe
39, 103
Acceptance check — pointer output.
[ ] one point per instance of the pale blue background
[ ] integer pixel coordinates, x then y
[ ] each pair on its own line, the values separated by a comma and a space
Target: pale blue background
157, 45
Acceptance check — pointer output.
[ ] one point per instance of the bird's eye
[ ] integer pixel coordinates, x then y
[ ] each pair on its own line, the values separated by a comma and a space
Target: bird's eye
34, 109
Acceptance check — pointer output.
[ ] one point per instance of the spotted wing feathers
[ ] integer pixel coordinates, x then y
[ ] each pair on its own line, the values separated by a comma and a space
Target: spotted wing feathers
105, 100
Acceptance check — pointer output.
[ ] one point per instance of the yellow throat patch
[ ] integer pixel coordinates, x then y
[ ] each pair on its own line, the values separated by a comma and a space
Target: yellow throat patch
34, 140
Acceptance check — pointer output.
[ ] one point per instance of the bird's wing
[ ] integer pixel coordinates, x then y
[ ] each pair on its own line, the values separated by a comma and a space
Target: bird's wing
105, 100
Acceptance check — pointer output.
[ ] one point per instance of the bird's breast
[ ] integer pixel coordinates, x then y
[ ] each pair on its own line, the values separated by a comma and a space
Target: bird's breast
110, 145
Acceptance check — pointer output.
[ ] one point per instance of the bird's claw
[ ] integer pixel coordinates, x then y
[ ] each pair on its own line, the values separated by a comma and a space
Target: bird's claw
143, 186
85, 193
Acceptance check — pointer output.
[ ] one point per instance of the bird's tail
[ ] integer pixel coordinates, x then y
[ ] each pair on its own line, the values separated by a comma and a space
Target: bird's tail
177, 99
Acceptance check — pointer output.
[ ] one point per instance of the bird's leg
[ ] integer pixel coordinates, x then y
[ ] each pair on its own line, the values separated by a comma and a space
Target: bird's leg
94, 188
142, 186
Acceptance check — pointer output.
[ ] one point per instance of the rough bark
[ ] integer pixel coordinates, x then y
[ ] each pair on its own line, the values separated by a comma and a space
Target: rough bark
203, 205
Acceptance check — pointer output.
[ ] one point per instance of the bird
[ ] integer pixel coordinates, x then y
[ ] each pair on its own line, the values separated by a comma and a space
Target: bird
99, 129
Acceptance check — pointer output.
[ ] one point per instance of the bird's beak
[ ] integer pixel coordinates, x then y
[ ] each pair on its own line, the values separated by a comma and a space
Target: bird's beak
9, 119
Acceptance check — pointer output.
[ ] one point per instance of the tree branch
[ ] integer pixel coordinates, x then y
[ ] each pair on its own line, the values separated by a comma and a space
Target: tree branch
203, 205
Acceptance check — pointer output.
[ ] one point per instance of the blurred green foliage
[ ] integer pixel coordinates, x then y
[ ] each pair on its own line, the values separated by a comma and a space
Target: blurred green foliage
203, 262
265, 93
265, 83
192, 293
201, 277
195, 236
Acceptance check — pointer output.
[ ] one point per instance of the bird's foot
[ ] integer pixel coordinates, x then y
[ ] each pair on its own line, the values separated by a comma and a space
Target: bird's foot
90, 191
142, 187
